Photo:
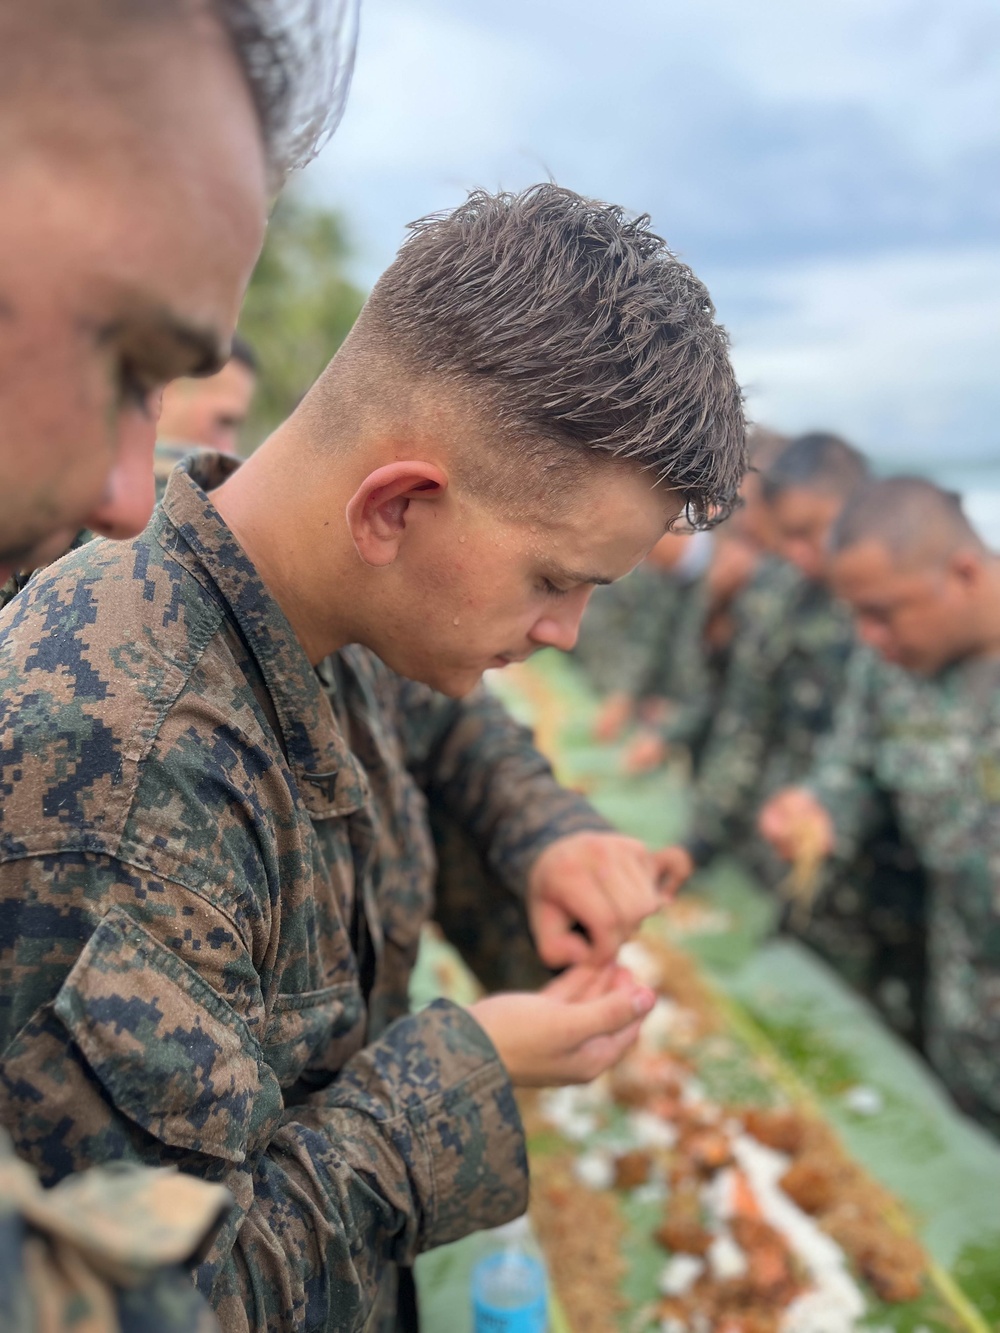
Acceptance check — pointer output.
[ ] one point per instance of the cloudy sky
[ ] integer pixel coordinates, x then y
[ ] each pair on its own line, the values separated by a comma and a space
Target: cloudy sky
831, 169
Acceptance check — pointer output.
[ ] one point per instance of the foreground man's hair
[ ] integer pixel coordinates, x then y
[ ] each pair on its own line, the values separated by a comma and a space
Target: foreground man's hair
577, 332
297, 56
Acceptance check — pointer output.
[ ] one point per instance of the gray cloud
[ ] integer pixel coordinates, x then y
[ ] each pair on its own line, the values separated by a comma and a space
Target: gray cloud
832, 169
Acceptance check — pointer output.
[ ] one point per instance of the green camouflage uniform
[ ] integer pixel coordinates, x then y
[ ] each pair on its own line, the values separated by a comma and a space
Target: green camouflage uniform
933, 748
688, 673
214, 867
621, 627
103, 1250
785, 674
787, 671
166, 456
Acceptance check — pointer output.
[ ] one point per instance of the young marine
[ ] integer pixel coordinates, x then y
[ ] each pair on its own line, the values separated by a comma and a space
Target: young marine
790, 652
920, 725
218, 743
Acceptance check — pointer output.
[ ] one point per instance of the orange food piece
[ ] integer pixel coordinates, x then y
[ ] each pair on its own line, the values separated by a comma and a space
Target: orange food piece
894, 1265
744, 1201
709, 1149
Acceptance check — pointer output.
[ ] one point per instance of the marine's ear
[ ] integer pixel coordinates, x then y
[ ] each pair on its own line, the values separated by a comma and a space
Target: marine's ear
377, 511
967, 567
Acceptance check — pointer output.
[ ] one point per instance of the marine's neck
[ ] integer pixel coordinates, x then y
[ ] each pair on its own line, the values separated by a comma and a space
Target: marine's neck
291, 533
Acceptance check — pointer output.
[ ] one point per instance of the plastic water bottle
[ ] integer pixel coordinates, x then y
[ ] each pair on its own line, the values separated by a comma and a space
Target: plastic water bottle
509, 1286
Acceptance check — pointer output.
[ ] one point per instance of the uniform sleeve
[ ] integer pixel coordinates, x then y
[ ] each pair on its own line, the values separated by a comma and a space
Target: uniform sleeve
842, 778
737, 746
481, 767
151, 1049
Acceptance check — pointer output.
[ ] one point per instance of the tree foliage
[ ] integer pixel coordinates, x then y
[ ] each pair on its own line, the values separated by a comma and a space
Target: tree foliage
299, 307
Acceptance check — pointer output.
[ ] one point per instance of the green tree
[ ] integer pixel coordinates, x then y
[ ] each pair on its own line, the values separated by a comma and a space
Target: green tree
299, 307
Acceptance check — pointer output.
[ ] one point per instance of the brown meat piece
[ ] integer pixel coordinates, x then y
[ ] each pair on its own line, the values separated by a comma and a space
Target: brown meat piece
770, 1274
632, 1169
894, 1265
683, 1231
812, 1183
782, 1130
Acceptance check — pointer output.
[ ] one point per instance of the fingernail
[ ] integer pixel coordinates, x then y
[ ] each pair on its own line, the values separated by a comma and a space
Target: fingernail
643, 1000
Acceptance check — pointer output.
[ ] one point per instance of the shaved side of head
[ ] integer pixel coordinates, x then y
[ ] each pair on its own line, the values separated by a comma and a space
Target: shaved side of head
567, 336
918, 522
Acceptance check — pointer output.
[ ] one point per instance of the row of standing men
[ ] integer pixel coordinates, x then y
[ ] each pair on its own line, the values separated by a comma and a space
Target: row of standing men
829, 661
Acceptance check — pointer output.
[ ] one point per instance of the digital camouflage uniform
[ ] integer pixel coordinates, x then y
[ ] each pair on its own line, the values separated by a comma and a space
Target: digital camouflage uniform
689, 673
103, 1251
785, 673
166, 456
933, 748
214, 866
622, 627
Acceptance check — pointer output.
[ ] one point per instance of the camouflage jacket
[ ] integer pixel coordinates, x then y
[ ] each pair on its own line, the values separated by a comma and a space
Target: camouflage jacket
214, 866
103, 1251
623, 627
933, 747
784, 676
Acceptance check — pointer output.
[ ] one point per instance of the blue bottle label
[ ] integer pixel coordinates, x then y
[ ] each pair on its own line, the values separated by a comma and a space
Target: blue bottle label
527, 1319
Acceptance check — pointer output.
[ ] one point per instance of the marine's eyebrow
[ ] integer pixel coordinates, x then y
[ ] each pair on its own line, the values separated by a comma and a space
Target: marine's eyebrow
573, 576
192, 348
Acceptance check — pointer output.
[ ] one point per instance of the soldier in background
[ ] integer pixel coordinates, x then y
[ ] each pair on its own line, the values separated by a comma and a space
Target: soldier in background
624, 622
789, 656
919, 725
210, 411
691, 664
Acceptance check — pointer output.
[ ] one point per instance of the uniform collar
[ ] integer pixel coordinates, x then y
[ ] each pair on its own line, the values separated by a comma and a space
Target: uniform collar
190, 527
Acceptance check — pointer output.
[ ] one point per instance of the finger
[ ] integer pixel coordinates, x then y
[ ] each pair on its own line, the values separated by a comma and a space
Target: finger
600, 981
628, 879
604, 1016
577, 983
673, 868
587, 898
558, 944
600, 1053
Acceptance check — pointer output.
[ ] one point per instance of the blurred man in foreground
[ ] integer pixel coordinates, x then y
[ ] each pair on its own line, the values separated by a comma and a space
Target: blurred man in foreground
141, 144
920, 725
209, 962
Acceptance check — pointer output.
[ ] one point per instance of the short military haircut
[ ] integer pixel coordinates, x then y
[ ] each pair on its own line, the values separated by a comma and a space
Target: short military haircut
916, 521
297, 56
764, 447
580, 334
817, 462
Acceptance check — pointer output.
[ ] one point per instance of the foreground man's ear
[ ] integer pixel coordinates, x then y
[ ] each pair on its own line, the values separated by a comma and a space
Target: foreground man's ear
376, 512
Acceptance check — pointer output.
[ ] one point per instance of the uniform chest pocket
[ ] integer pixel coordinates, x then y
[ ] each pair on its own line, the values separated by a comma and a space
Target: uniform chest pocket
312, 1030
171, 1054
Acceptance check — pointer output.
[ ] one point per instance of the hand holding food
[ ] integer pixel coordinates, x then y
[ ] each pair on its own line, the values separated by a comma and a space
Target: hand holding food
574, 1029
605, 883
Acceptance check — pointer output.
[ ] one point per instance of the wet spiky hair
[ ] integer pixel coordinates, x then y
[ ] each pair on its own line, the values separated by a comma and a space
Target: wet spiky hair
579, 330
